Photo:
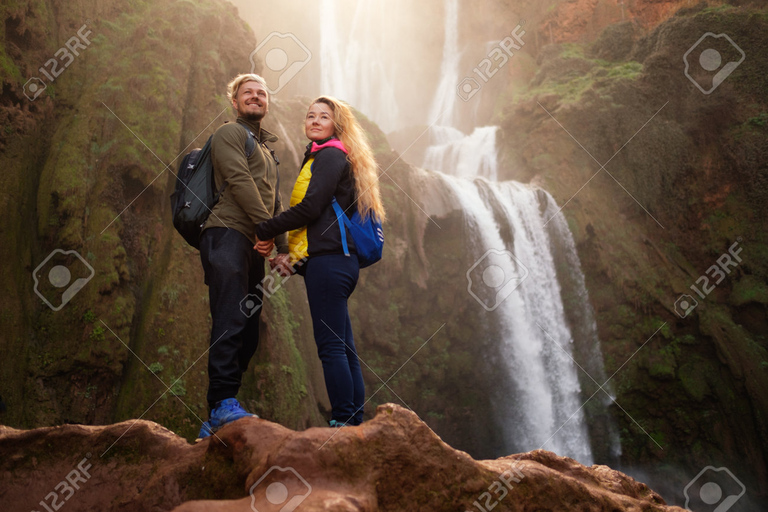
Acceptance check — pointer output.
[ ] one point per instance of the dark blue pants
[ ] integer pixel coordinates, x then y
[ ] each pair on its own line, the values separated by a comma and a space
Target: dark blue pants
330, 280
233, 271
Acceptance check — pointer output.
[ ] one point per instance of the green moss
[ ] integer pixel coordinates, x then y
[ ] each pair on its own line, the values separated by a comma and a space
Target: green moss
693, 379
758, 121
749, 289
626, 70
717, 9
570, 75
178, 388
8, 68
97, 334
663, 366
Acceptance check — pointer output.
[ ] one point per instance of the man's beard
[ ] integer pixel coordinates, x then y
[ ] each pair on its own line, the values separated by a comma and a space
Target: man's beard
254, 117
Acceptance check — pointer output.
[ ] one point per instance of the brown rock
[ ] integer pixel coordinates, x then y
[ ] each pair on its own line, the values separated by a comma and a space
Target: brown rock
393, 462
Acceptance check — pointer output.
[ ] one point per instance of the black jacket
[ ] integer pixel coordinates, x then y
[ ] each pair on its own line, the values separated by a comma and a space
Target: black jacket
331, 176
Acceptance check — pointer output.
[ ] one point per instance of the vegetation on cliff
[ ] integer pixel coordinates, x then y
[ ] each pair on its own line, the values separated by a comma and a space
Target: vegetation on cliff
684, 180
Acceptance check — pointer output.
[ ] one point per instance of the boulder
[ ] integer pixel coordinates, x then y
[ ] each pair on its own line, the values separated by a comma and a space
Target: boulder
393, 462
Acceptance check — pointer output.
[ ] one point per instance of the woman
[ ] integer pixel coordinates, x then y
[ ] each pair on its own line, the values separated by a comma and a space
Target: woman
338, 164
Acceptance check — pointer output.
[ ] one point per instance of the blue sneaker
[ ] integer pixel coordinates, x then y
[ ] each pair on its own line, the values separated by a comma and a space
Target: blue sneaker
227, 411
205, 431
336, 424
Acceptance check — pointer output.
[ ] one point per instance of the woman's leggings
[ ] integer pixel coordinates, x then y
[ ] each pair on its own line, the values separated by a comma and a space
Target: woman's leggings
330, 280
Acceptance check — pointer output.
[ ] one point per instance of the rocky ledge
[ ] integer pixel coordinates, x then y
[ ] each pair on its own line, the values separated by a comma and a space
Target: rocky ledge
393, 462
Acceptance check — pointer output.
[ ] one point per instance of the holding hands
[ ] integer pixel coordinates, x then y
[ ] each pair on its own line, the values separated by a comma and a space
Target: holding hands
264, 247
281, 262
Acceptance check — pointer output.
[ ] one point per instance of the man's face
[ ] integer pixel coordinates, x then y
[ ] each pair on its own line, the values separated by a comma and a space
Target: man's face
252, 101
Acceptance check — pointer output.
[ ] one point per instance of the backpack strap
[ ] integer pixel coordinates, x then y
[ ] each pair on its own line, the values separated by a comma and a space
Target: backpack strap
250, 144
271, 152
342, 225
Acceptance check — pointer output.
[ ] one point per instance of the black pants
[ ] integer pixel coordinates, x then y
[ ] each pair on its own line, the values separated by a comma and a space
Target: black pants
233, 271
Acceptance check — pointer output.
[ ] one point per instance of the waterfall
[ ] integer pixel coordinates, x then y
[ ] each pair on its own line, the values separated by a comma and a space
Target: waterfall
530, 317
516, 280
444, 105
350, 68
452, 152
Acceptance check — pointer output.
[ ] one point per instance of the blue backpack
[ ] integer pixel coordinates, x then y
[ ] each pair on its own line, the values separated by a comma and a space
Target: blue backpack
367, 234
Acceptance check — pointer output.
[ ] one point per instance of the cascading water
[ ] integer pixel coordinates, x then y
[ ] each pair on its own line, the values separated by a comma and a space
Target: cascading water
516, 228
530, 318
524, 296
454, 153
348, 70
451, 151
444, 104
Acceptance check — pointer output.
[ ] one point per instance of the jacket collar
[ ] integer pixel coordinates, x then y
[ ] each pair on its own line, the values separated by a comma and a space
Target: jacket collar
261, 134
330, 142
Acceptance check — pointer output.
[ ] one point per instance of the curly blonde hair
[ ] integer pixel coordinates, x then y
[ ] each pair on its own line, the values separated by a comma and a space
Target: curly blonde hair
360, 156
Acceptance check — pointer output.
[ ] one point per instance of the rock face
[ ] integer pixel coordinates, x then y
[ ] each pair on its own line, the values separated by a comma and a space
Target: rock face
393, 462
698, 169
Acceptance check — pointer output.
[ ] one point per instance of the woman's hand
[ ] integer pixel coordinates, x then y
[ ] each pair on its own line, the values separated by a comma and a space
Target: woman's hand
264, 247
283, 264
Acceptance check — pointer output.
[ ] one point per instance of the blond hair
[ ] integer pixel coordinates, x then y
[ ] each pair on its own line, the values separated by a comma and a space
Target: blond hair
360, 156
234, 86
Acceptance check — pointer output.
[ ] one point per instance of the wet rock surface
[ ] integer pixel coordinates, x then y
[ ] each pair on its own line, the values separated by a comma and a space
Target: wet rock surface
393, 462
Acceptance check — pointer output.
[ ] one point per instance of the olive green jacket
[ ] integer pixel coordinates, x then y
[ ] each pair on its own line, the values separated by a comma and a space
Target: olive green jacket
251, 195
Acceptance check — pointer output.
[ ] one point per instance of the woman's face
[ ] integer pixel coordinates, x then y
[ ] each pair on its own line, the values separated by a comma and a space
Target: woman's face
319, 122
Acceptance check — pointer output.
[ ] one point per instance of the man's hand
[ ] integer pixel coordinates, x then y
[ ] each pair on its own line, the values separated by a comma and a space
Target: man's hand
282, 262
264, 247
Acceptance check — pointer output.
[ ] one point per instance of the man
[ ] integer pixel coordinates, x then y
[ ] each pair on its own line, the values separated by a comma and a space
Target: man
233, 267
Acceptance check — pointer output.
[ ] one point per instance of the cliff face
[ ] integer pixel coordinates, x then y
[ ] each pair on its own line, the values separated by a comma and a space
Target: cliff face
85, 170
683, 188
